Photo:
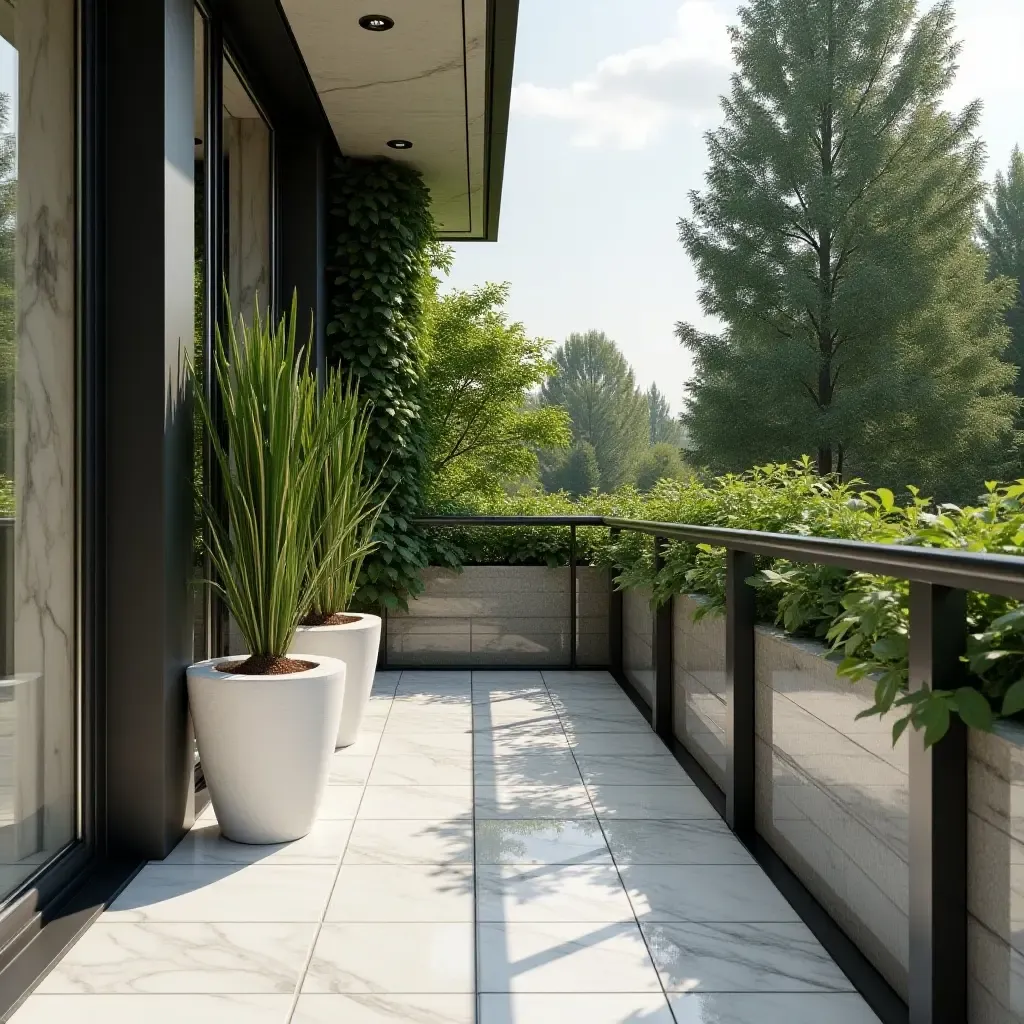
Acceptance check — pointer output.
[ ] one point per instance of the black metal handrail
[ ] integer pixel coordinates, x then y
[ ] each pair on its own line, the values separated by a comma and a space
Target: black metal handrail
940, 579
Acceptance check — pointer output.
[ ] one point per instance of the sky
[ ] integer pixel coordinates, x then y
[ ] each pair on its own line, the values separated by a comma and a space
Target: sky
610, 104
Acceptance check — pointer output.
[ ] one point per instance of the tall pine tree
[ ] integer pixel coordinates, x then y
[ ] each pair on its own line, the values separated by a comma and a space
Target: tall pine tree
835, 240
1002, 235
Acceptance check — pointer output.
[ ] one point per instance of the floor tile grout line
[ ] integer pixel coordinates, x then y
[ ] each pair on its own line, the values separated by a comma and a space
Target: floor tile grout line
297, 994
636, 920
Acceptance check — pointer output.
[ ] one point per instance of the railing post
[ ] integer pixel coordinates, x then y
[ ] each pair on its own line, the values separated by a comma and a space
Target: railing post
614, 616
661, 705
938, 817
740, 613
572, 595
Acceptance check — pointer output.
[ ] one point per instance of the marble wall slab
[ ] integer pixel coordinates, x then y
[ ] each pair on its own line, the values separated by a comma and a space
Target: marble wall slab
247, 145
502, 615
44, 428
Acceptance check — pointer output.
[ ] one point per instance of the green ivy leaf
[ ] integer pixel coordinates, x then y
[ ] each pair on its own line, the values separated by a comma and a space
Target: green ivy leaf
973, 708
1013, 700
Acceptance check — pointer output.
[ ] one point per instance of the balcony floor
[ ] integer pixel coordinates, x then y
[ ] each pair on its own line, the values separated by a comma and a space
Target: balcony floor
533, 812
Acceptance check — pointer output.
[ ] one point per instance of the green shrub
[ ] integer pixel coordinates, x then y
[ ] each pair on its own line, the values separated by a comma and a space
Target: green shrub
381, 235
863, 617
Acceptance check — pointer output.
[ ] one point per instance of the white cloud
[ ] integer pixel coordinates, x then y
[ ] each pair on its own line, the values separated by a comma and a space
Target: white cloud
631, 97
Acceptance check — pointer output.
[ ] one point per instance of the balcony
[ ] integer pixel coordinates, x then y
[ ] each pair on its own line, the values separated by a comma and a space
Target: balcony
536, 809
567, 806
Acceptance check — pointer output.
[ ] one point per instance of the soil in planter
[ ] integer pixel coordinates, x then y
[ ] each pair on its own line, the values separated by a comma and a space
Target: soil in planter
333, 619
265, 665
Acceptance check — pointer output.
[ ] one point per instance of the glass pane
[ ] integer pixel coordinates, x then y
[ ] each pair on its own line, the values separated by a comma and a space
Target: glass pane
698, 678
38, 806
200, 590
248, 198
833, 795
638, 640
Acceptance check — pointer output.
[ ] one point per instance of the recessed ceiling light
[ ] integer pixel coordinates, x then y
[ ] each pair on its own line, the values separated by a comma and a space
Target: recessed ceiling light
376, 22
400, 144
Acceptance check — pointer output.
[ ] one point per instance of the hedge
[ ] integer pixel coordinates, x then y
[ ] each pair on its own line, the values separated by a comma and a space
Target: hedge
861, 616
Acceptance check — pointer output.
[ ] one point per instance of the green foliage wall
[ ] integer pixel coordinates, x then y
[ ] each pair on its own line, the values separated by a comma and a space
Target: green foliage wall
380, 231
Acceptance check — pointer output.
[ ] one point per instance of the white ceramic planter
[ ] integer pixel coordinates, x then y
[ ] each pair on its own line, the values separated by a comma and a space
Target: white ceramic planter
357, 644
266, 744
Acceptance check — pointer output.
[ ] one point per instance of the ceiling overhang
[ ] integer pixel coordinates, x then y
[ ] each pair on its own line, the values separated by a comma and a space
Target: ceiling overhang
441, 78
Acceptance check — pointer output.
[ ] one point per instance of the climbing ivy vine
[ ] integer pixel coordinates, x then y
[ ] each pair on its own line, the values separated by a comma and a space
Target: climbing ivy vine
380, 236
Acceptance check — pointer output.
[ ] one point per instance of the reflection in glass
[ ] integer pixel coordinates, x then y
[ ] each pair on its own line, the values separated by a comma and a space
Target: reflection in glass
833, 795
638, 640
995, 875
248, 198
38, 772
698, 667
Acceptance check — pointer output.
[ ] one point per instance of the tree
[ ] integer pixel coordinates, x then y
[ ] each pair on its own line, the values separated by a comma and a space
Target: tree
595, 384
835, 241
575, 472
662, 461
664, 426
478, 373
1002, 236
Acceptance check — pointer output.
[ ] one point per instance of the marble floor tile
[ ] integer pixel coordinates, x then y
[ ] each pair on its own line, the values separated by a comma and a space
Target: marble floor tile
548, 892
487, 715
154, 1009
533, 694
666, 802
536, 769
771, 1008
532, 800
445, 698
629, 770
701, 892
418, 722
582, 722
554, 957
349, 769
394, 958
407, 892
487, 678
574, 1008
367, 742
411, 802
674, 842
539, 841
251, 892
425, 679
600, 702
204, 844
400, 744
411, 841
441, 768
594, 679
199, 958
519, 738
340, 802
614, 743
378, 1008
742, 958
384, 680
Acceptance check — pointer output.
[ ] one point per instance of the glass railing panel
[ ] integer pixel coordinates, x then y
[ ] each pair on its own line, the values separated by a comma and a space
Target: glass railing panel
638, 640
833, 795
698, 678
995, 879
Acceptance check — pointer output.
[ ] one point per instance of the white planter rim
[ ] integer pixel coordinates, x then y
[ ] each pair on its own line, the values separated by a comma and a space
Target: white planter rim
364, 620
323, 666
